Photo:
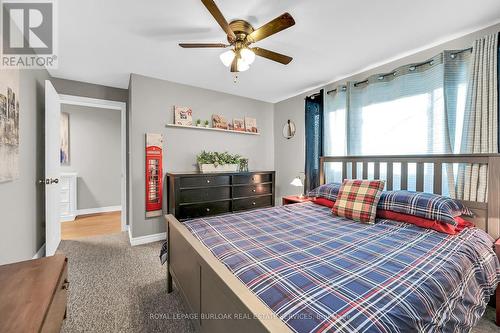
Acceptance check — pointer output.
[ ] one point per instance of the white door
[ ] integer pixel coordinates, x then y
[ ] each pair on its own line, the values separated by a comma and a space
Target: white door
52, 169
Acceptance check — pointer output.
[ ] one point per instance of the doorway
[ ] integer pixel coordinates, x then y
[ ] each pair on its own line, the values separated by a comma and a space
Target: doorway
86, 178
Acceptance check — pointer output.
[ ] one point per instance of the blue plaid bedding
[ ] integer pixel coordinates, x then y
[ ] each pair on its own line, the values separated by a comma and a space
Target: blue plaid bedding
321, 273
426, 205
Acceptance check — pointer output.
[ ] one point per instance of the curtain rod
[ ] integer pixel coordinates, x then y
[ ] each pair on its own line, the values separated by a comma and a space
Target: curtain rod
313, 96
412, 68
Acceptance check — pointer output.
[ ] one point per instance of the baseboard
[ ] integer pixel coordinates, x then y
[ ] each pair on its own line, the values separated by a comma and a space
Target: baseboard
146, 239
40, 253
98, 210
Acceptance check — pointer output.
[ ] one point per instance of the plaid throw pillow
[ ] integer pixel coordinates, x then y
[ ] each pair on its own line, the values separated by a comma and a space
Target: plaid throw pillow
426, 205
357, 200
327, 191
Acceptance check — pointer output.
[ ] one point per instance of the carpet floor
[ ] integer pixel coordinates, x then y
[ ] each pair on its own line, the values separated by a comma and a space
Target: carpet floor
118, 288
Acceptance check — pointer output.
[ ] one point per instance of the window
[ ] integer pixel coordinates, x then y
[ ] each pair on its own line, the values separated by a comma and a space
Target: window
416, 109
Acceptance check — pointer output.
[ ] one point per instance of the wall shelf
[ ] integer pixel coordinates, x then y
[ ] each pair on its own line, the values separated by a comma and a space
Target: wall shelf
211, 129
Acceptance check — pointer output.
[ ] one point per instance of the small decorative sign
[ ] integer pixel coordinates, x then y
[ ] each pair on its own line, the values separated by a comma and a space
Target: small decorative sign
251, 125
183, 116
239, 125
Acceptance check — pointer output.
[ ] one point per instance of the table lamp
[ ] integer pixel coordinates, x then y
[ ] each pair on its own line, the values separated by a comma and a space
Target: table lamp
298, 182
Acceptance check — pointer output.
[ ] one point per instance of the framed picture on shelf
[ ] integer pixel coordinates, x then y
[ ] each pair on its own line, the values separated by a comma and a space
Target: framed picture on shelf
183, 116
239, 125
219, 121
251, 125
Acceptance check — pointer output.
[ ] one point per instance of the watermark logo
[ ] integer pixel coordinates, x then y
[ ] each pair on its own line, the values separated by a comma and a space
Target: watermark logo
29, 38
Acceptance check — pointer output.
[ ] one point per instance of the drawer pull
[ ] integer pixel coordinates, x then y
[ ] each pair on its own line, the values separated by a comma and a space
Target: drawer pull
208, 210
208, 181
65, 285
253, 178
254, 190
253, 203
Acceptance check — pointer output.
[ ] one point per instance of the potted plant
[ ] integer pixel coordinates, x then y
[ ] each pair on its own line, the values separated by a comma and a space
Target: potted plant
218, 162
207, 123
198, 123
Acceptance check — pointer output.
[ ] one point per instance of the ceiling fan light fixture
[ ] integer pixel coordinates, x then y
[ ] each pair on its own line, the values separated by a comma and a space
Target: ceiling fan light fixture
227, 57
242, 65
248, 56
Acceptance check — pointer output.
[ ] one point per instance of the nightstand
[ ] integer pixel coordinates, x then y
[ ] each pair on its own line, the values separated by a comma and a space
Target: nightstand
293, 199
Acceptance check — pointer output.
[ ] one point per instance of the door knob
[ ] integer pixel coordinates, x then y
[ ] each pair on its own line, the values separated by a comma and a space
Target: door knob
48, 181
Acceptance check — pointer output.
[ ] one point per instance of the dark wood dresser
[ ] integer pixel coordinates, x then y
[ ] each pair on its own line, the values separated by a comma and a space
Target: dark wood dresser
192, 195
33, 295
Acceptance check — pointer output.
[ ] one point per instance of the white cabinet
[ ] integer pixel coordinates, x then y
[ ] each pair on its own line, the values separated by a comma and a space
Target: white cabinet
68, 196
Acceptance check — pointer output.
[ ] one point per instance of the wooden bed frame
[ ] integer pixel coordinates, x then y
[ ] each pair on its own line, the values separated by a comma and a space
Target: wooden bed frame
219, 302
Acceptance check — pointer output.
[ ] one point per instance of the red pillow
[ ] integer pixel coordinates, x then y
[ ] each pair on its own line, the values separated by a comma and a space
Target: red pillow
426, 223
324, 202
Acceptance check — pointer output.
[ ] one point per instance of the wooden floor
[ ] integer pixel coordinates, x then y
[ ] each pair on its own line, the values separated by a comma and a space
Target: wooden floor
92, 225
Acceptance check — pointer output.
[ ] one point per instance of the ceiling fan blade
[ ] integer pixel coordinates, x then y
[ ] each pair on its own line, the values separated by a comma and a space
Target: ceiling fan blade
278, 57
202, 45
234, 65
278, 24
216, 13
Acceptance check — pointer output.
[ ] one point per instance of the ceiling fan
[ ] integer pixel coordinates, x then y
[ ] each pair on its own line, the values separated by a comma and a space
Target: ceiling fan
240, 35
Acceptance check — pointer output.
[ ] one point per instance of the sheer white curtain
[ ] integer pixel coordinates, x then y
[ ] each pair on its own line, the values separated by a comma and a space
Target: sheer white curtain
398, 114
335, 125
416, 109
481, 118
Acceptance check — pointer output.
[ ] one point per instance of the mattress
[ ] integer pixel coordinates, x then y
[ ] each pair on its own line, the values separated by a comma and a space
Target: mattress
323, 273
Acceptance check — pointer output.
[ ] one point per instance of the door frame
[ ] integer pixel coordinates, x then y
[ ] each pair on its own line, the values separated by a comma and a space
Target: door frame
113, 105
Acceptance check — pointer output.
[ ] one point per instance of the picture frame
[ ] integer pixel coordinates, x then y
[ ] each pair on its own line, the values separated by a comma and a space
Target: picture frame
64, 137
183, 116
251, 125
238, 125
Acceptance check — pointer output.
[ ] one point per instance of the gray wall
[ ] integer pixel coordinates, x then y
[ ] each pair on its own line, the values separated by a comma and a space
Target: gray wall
290, 154
95, 154
151, 105
22, 220
84, 89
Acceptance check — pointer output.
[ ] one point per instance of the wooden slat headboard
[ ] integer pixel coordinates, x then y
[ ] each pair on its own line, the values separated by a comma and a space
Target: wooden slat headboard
487, 214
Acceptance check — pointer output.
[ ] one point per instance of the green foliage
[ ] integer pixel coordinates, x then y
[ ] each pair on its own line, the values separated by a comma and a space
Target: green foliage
217, 158
198, 122
207, 122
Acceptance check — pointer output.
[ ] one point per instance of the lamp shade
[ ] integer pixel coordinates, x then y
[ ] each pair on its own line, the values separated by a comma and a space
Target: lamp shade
227, 58
297, 182
242, 65
248, 56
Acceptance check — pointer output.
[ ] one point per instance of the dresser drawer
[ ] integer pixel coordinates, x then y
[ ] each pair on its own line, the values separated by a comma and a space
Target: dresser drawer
65, 195
204, 209
205, 194
251, 203
204, 181
64, 183
57, 310
252, 179
64, 209
252, 190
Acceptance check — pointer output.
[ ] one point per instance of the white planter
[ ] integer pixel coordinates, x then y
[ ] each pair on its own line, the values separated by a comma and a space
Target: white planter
206, 168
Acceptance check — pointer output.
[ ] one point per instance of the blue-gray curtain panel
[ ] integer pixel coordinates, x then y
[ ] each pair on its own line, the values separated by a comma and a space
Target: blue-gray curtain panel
314, 139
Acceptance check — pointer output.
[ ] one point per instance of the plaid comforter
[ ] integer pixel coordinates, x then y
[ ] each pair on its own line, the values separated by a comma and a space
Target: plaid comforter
321, 273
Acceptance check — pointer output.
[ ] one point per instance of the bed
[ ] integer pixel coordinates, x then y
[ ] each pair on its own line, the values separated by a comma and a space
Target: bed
297, 268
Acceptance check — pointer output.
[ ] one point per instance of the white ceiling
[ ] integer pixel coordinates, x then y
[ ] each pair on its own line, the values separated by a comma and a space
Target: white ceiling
104, 41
